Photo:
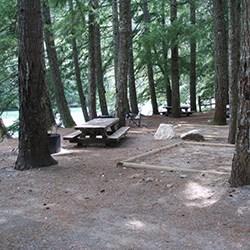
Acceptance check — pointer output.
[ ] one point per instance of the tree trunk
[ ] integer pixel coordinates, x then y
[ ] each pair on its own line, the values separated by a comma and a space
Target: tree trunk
92, 64
221, 62
50, 119
3, 130
132, 86
240, 174
77, 66
123, 60
165, 58
115, 23
33, 139
146, 16
175, 66
54, 65
99, 69
234, 62
193, 77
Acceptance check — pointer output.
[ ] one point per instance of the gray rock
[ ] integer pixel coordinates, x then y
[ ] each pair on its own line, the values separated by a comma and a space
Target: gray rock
193, 135
165, 132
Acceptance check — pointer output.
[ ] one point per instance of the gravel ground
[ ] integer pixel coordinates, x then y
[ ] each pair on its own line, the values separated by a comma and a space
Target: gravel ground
86, 202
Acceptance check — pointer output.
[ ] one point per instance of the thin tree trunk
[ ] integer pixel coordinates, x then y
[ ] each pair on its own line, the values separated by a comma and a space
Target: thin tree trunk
234, 62
132, 86
115, 23
221, 62
146, 16
240, 174
33, 139
166, 77
79, 81
193, 46
99, 69
77, 66
54, 65
50, 119
123, 60
92, 64
165, 57
175, 66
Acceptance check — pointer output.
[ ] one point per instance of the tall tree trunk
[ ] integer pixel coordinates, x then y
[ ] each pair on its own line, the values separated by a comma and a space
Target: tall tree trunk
33, 139
122, 76
115, 23
99, 69
175, 66
146, 16
234, 62
165, 58
54, 65
92, 64
77, 66
193, 46
132, 86
50, 118
240, 174
221, 62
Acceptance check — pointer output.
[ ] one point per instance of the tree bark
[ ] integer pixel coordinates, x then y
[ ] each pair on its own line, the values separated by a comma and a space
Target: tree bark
221, 62
175, 66
33, 139
115, 23
50, 119
99, 69
123, 60
150, 72
240, 174
165, 49
3, 130
77, 66
234, 62
131, 76
193, 46
55, 69
92, 64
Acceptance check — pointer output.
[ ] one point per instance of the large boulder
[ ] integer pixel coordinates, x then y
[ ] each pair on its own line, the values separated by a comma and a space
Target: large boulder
193, 135
165, 132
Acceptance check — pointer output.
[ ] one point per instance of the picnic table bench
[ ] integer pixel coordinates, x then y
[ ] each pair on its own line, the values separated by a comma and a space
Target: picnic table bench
183, 109
98, 130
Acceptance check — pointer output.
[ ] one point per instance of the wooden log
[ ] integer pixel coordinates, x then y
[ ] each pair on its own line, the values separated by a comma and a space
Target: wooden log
134, 158
171, 169
209, 144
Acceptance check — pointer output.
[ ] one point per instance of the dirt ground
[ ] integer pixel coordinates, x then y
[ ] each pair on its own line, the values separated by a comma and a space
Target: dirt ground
87, 202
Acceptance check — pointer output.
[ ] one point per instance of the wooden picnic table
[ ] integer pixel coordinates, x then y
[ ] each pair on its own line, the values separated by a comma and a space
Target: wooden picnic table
183, 109
98, 123
98, 130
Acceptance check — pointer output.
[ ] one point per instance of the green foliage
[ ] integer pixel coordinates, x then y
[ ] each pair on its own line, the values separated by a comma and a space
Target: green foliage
8, 55
161, 34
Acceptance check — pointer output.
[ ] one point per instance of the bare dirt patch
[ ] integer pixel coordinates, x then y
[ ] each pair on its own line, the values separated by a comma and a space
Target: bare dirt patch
86, 202
187, 157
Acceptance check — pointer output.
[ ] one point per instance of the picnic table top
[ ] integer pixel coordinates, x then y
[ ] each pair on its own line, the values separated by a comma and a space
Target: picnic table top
98, 123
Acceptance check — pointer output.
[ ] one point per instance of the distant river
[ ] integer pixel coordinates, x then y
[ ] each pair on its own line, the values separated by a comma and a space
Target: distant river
9, 117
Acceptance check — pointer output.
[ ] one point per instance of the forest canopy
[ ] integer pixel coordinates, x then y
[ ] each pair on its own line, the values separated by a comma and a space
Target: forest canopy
158, 35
